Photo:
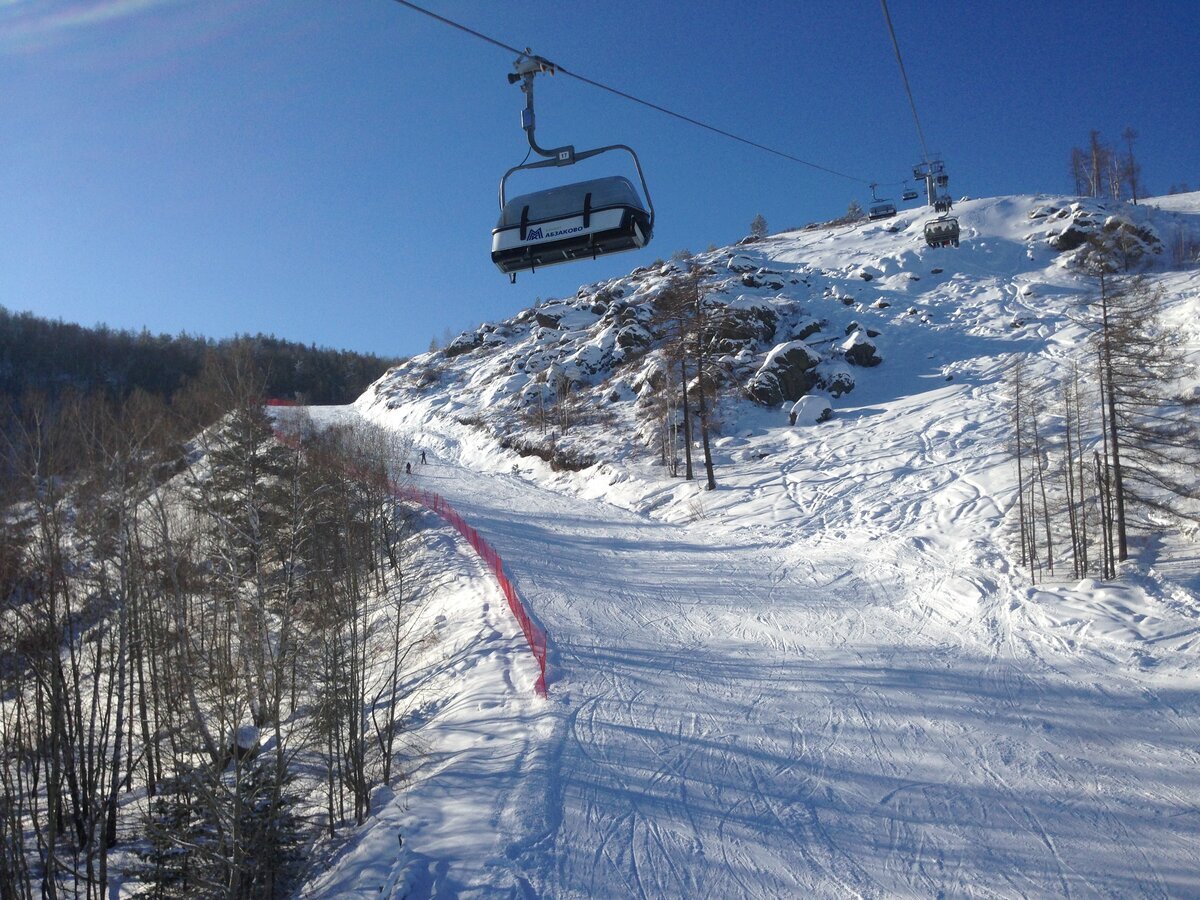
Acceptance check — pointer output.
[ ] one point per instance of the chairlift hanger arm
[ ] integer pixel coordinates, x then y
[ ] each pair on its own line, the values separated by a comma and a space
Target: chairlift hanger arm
526, 67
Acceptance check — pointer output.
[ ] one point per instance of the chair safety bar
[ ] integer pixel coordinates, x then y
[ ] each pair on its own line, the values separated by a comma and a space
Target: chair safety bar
586, 154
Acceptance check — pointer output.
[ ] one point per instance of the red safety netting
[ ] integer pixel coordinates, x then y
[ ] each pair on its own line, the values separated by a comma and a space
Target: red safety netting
534, 635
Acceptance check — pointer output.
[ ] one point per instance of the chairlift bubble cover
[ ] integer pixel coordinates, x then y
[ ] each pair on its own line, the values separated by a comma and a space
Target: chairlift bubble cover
574, 221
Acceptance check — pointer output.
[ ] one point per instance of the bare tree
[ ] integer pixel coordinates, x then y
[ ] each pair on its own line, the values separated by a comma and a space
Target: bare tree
1099, 156
1016, 379
1152, 445
673, 312
1094, 169
1079, 171
1131, 171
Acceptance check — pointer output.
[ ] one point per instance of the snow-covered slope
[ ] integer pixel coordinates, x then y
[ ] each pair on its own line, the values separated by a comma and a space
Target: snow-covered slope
827, 676
850, 297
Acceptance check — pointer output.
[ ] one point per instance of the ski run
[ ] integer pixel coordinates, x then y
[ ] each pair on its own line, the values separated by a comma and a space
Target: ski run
826, 678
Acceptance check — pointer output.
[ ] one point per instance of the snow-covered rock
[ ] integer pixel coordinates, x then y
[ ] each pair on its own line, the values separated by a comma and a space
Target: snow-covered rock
786, 374
464, 343
811, 410
860, 350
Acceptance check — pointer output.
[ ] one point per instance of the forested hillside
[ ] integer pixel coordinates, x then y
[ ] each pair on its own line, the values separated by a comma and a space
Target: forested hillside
51, 356
191, 629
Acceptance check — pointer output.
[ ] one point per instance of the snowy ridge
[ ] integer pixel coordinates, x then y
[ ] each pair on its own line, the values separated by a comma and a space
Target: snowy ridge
827, 677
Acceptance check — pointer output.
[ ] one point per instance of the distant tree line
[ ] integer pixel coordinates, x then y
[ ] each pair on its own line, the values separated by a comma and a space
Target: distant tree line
1110, 444
188, 626
53, 356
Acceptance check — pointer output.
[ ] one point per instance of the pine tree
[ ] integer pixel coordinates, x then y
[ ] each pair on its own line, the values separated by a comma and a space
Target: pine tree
165, 864
244, 502
270, 829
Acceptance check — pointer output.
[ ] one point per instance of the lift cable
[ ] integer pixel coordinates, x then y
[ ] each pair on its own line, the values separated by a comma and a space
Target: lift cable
647, 103
903, 74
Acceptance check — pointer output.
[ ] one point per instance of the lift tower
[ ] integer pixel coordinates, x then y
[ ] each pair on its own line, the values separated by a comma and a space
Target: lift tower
933, 173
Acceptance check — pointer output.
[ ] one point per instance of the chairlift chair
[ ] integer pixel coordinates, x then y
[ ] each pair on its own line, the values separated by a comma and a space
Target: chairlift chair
884, 209
575, 221
572, 221
942, 232
879, 208
909, 194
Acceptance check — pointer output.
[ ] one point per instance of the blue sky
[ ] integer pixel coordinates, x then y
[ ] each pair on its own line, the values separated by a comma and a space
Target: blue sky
327, 171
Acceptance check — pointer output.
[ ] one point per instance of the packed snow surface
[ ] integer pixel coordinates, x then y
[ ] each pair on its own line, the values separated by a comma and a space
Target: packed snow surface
827, 677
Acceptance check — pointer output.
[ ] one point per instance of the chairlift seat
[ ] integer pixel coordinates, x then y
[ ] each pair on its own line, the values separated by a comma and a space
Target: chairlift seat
942, 232
882, 210
909, 195
574, 221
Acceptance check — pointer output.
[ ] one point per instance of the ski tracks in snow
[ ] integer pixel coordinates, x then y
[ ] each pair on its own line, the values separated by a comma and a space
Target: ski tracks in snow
785, 713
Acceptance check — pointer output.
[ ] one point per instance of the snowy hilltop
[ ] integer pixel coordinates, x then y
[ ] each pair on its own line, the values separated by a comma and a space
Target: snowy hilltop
824, 323
835, 674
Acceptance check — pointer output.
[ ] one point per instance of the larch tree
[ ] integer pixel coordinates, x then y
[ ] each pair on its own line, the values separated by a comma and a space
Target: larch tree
1152, 442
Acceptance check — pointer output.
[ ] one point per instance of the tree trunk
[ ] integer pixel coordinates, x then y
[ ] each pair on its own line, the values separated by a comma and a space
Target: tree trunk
687, 422
1118, 492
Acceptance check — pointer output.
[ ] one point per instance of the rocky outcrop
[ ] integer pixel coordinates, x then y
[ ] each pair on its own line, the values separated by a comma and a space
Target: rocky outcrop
835, 381
762, 278
786, 374
633, 337
739, 327
1124, 242
464, 343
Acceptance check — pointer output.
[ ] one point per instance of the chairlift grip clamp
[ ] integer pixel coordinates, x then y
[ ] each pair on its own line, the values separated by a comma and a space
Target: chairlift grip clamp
527, 65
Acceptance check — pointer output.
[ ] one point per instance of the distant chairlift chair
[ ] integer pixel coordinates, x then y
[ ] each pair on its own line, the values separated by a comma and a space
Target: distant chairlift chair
880, 208
884, 209
942, 232
574, 221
